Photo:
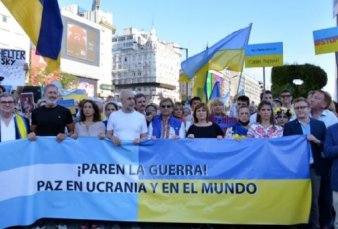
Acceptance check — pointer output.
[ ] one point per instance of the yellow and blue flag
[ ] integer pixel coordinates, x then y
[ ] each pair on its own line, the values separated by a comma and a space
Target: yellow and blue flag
41, 20
228, 52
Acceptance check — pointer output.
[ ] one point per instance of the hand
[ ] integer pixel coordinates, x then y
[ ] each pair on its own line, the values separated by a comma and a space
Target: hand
149, 118
31, 136
137, 141
175, 137
60, 137
191, 136
102, 136
312, 138
116, 140
74, 136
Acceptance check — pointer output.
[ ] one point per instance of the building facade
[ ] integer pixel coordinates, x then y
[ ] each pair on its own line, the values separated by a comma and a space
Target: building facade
145, 64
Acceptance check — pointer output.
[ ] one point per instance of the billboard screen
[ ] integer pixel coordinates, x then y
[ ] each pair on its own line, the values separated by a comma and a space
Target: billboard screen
80, 42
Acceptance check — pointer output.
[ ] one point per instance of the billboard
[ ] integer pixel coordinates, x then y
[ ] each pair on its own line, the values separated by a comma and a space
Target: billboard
81, 42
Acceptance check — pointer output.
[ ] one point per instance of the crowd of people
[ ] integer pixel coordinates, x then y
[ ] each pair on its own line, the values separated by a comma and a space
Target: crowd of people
133, 119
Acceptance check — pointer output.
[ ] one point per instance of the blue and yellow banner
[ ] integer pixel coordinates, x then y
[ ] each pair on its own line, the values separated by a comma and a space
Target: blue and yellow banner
253, 181
264, 55
326, 40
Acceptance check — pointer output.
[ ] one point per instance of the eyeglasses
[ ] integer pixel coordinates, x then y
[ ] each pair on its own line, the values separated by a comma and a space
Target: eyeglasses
285, 96
7, 102
282, 116
300, 107
166, 106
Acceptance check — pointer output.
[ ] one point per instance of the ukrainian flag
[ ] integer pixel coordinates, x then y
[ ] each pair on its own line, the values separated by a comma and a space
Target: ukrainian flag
41, 20
228, 52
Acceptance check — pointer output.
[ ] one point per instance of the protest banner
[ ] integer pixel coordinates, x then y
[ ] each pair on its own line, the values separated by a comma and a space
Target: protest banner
253, 181
12, 67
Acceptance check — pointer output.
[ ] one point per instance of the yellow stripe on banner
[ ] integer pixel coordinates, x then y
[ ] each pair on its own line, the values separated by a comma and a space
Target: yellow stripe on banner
326, 47
263, 61
266, 202
23, 9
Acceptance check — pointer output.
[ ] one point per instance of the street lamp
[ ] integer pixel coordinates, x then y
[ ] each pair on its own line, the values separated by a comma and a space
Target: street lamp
186, 57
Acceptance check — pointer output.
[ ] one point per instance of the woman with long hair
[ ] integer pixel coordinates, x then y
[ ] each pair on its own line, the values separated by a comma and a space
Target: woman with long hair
265, 126
90, 123
202, 126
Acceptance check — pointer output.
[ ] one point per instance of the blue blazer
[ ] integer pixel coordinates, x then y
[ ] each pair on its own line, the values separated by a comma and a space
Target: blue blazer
318, 129
331, 151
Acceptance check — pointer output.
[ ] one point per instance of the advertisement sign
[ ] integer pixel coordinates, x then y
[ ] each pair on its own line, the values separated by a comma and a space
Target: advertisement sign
264, 55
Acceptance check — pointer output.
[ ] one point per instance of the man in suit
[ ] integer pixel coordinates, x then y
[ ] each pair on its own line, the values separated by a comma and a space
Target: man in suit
315, 131
331, 151
12, 126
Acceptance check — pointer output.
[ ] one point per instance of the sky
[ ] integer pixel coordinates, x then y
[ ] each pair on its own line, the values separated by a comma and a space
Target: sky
194, 24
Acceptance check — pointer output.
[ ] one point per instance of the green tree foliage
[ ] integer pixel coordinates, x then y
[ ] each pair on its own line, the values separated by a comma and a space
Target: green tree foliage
282, 77
68, 81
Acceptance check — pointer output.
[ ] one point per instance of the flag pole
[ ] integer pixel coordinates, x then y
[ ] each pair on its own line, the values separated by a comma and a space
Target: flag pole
240, 74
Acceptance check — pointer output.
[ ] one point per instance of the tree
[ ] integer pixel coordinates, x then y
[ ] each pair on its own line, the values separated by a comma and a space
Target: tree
283, 77
68, 81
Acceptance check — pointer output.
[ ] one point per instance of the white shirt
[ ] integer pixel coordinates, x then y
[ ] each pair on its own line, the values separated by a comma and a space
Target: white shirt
328, 117
127, 126
7, 132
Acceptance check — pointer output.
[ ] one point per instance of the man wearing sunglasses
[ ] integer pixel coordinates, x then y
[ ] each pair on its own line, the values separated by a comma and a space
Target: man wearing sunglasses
165, 125
12, 126
286, 98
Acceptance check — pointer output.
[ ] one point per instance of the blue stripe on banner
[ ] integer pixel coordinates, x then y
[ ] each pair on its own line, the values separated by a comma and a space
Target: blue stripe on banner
118, 207
264, 49
258, 158
325, 33
47, 151
50, 36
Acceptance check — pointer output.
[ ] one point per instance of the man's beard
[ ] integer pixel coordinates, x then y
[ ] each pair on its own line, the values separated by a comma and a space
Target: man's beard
50, 103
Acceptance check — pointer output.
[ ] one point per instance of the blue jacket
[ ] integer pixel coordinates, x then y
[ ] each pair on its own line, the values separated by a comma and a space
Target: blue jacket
331, 151
157, 125
318, 129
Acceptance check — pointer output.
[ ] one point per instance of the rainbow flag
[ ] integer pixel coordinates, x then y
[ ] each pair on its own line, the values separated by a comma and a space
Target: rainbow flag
227, 53
41, 20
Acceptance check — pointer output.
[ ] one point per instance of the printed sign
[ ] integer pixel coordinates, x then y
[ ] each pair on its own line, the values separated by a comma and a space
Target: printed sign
264, 55
12, 67
326, 40
254, 181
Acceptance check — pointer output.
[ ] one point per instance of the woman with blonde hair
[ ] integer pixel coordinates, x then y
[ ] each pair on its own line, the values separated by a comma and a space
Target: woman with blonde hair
218, 116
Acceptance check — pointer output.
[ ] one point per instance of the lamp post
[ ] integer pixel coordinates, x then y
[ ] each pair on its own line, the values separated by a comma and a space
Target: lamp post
186, 57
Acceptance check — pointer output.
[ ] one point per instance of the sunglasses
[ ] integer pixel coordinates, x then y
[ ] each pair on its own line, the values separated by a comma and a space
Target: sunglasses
7, 102
166, 106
